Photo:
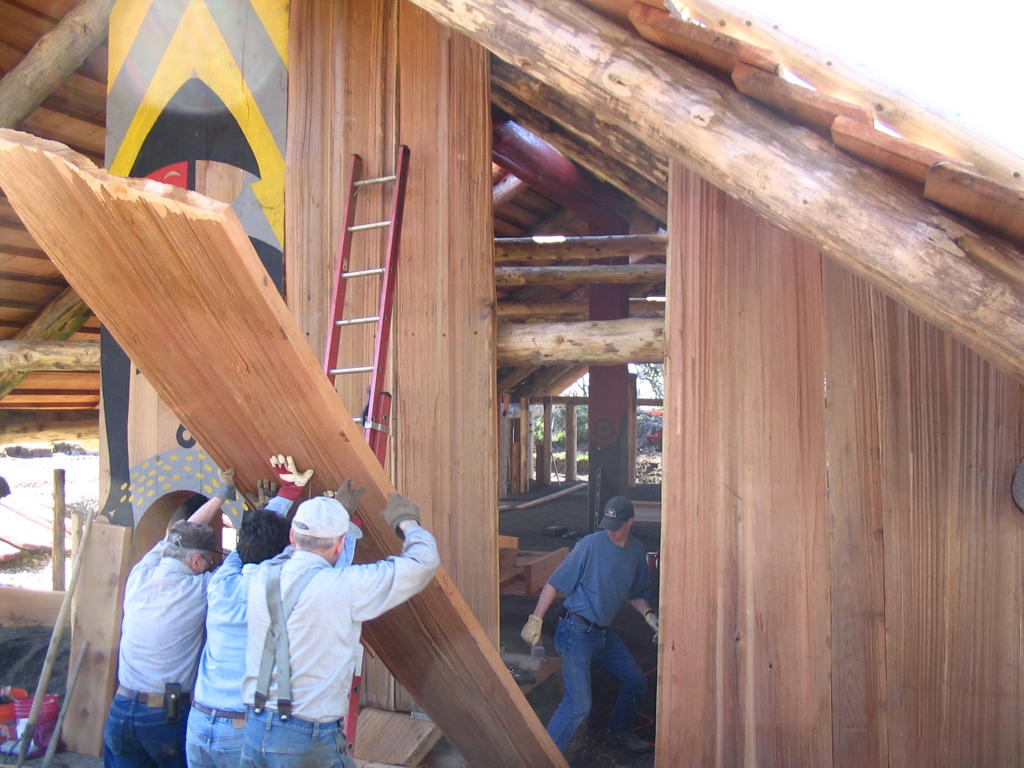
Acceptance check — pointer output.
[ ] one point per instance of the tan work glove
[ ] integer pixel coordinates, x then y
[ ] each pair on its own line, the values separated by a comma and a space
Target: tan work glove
531, 630
398, 509
292, 481
652, 621
347, 495
265, 491
226, 490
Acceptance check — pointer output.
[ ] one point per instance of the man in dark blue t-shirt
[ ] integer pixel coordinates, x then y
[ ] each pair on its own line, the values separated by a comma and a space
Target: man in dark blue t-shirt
603, 570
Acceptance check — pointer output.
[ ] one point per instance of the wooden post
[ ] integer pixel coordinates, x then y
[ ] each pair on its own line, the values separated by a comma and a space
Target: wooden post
631, 434
525, 444
59, 554
77, 521
544, 465
570, 443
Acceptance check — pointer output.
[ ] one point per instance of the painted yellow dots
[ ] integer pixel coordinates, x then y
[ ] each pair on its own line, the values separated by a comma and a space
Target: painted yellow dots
175, 477
124, 499
187, 468
150, 493
174, 457
207, 468
166, 486
123, 486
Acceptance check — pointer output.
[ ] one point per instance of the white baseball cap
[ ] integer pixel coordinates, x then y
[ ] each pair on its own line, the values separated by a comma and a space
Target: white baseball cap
324, 518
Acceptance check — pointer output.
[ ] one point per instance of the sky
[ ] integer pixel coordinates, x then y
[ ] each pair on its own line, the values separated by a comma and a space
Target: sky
963, 57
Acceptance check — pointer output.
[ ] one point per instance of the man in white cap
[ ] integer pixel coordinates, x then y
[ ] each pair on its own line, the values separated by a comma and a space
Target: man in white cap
298, 676
603, 570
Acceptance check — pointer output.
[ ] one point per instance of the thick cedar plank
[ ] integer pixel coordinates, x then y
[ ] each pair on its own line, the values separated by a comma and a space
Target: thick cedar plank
97, 618
160, 263
744, 580
812, 108
951, 433
538, 571
855, 513
702, 44
391, 738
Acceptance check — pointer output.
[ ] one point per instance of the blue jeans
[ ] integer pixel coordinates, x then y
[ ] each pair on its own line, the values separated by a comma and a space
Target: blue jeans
271, 742
580, 646
213, 742
138, 736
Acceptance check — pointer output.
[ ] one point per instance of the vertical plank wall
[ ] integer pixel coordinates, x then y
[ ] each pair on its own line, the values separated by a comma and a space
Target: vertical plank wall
931, 505
744, 659
346, 96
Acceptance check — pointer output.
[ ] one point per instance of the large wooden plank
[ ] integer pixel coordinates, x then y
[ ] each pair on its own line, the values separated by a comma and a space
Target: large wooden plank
744, 579
951, 433
119, 241
97, 619
444, 334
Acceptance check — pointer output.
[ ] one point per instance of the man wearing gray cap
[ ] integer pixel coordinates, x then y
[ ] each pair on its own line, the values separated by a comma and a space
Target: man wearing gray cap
603, 570
161, 637
305, 618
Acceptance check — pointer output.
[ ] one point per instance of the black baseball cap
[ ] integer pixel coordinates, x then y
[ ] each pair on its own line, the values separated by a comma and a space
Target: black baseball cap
617, 511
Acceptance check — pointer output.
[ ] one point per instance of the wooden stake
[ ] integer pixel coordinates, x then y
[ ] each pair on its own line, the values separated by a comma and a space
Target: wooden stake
51, 651
58, 530
525, 443
570, 443
544, 464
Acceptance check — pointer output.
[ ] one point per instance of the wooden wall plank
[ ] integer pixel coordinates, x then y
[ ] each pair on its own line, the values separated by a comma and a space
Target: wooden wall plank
856, 527
243, 409
445, 326
951, 432
744, 595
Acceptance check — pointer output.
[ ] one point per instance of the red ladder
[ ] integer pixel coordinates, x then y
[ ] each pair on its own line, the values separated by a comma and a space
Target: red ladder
377, 416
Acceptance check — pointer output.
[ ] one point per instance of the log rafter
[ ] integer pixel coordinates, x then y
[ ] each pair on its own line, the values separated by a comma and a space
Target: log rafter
949, 274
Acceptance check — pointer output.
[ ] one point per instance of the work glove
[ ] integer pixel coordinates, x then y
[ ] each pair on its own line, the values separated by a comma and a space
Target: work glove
652, 621
347, 495
292, 481
226, 490
531, 630
398, 509
265, 491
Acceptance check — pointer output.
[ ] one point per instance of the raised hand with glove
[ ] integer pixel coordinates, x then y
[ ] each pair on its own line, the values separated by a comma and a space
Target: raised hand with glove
265, 491
226, 490
347, 495
399, 510
292, 481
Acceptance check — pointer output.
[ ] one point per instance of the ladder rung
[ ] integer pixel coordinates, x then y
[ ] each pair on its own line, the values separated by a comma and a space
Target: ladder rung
374, 225
358, 321
360, 369
379, 180
363, 273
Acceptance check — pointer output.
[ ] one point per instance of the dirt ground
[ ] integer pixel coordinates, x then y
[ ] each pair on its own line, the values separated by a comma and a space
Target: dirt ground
588, 749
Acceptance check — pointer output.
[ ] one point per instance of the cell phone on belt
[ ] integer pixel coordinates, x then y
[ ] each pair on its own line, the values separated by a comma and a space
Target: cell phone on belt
172, 702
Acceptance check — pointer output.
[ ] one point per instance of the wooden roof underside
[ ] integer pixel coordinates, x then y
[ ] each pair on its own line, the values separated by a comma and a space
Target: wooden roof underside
74, 114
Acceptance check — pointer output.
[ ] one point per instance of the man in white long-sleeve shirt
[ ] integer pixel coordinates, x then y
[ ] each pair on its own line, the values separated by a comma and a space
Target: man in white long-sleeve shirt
297, 680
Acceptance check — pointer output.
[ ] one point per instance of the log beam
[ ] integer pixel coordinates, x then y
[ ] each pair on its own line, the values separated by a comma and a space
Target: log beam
551, 173
57, 322
48, 426
54, 57
620, 158
597, 342
506, 190
27, 356
950, 275
621, 274
571, 308
558, 248
600, 160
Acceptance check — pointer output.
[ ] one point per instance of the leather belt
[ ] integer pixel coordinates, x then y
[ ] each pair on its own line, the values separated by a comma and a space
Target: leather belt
582, 620
149, 699
228, 713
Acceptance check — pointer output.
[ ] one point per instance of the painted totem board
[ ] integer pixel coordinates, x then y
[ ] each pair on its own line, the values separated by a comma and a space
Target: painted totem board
198, 100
